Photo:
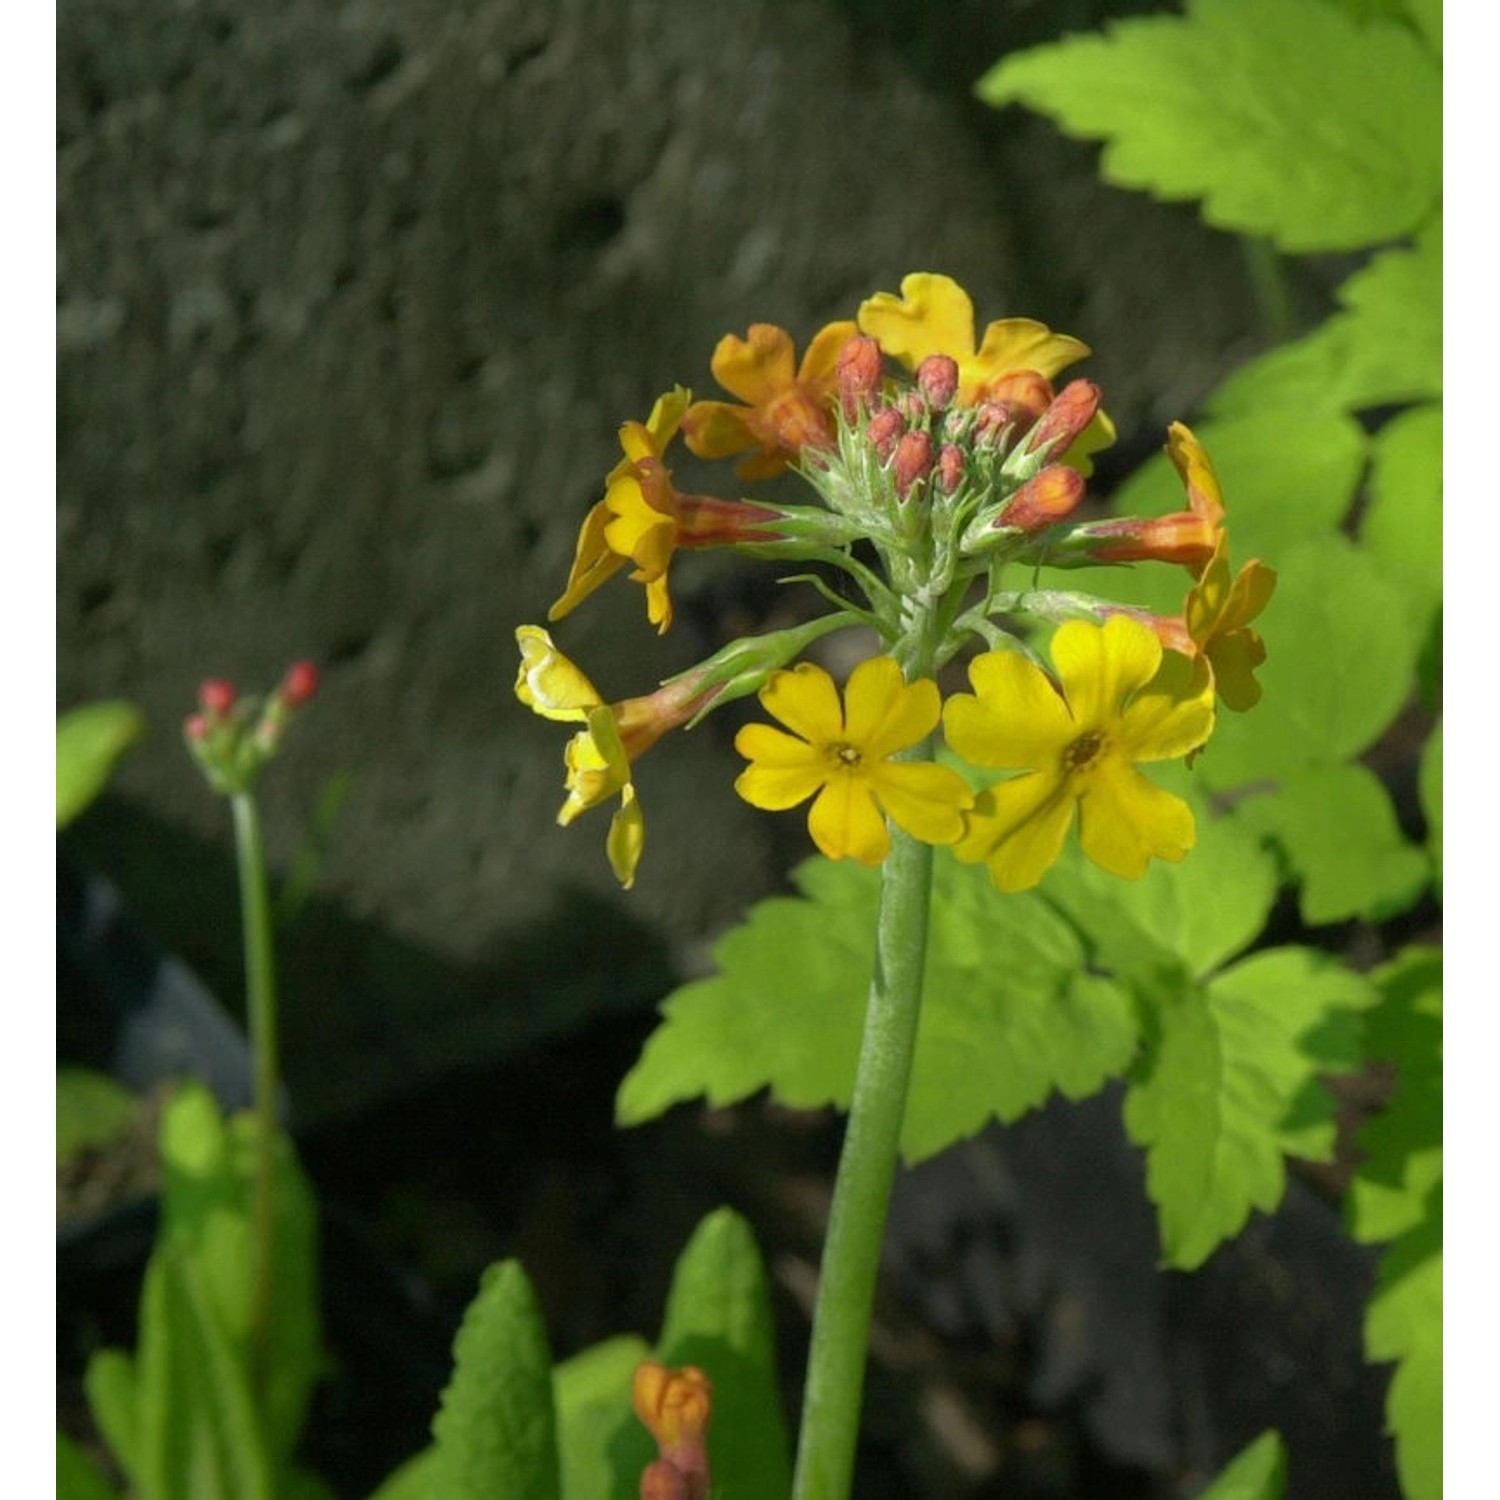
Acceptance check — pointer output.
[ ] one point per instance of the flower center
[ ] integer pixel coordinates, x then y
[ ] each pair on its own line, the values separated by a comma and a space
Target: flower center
846, 757
1084, 749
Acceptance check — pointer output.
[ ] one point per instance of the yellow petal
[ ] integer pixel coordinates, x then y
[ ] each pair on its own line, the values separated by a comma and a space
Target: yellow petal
1018, 826
1171, 715
1012, 344
593, 563
845, 822
806, 701
820, 362
783, 770
758, 368
1018, 721
882, 713
1101, 667
928, 801
548, 683
933, 315
627, 837
1124, 820
715, 429
1235, 657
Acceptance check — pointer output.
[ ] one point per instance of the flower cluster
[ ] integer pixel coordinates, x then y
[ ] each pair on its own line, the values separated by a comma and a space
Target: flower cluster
232, 737
953, 460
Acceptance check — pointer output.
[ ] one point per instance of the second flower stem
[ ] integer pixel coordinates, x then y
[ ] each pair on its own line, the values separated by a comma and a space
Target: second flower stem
867, 1170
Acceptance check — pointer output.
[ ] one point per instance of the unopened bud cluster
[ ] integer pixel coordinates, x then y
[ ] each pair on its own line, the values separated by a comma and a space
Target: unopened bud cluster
232, 737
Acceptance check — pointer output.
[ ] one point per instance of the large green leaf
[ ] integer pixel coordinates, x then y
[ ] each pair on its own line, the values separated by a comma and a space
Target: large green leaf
496, 1432
1385, 348
1287, 118
1339, 832
602, 1445
1403, 524
718, 1317
1257, 1472
1228, 1085
1010, 1012
412, 1480
77, 1478
210, 1168
90, 740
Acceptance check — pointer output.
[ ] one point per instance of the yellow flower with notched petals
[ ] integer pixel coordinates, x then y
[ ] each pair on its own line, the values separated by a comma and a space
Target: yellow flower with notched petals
1218, 614
1122, 701
842, 753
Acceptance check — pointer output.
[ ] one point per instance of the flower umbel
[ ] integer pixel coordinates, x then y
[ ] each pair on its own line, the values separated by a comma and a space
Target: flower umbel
842, 753
1120, 702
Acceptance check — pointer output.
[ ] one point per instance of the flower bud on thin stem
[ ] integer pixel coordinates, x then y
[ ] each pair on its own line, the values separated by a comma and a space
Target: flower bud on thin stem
950, 467
885, 427
992, 418
937, 379
1047, 497
913, 461
299, 684
216, 696
858, 376
1058, 428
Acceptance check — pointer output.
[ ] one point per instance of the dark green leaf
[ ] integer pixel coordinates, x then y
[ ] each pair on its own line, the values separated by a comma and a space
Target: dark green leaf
77, 1478
1287, 117
496, 1432
90, 740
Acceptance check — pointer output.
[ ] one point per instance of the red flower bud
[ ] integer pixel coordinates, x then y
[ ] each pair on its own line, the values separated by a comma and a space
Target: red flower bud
1046, 497
885, 427
937, 379
1070, 412
858, 375
992, 419
662, 1480
913, 461
950, 467
216, 696
911, 406
195, 728
299, 684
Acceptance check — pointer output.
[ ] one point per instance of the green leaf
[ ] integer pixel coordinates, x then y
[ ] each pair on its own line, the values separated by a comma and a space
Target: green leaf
1287, 474
1427, 17
77, 1478
1340, 835
90, 740
199, 1435
718, 1317
1402, 1146
1229, 1083
496, 1433
413, 1480
1385, 348
93, 1111
112, 1392
1341, 653
1010, 1012
1430, 793
603, 1445
1287, 117
1404, 1322
1257, 1472
1403, 526
208, 1211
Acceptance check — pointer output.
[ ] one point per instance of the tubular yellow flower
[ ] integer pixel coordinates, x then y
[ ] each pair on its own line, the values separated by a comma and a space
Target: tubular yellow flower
842, 753
788, 408
1120, 703
599, 757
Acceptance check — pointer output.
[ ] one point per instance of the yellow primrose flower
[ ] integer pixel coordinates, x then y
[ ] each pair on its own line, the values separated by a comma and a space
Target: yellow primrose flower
599, 756
1119, 703
843, 754
788, 408
636, 521
1217, 619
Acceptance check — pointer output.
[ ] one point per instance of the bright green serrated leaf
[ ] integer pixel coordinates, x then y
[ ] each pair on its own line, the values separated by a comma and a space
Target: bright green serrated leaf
1403, 525
1287, 117
1341, 653
1229, 1084
1402, 1145
77, 1478
1256, 1472
1384, 349
718, 1317
1404, 1323
1009, 1011
1340, 835
603, 1445
1287, 473
208, 1205
199, 1435
93, 1111
90, 740
496, 1433
1430, 793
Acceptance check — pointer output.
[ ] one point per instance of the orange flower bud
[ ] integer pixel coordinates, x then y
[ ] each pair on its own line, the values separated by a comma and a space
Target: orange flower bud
913, 461
675, 1406
1045, 498
858, 375
885, 427
1060, 425
937, 379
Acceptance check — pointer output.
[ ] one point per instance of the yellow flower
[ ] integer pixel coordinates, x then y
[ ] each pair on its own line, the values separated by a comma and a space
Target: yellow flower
1119, 703
843, 754
637, 520
675, 1407
599, 756
1217, 616
787, 408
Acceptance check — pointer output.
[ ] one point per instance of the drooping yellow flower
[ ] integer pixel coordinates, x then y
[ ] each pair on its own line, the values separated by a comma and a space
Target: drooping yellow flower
842, 753
1120, 702
1215, 625
599, 757
787, 408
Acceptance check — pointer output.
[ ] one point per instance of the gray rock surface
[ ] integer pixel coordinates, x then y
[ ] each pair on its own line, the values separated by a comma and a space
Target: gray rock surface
351, 302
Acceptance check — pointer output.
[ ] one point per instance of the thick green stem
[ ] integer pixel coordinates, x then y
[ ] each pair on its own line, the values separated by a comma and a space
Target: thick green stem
867, 1170
260, 996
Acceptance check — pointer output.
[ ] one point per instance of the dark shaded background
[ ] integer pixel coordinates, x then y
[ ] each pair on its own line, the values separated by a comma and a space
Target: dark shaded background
351, 302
